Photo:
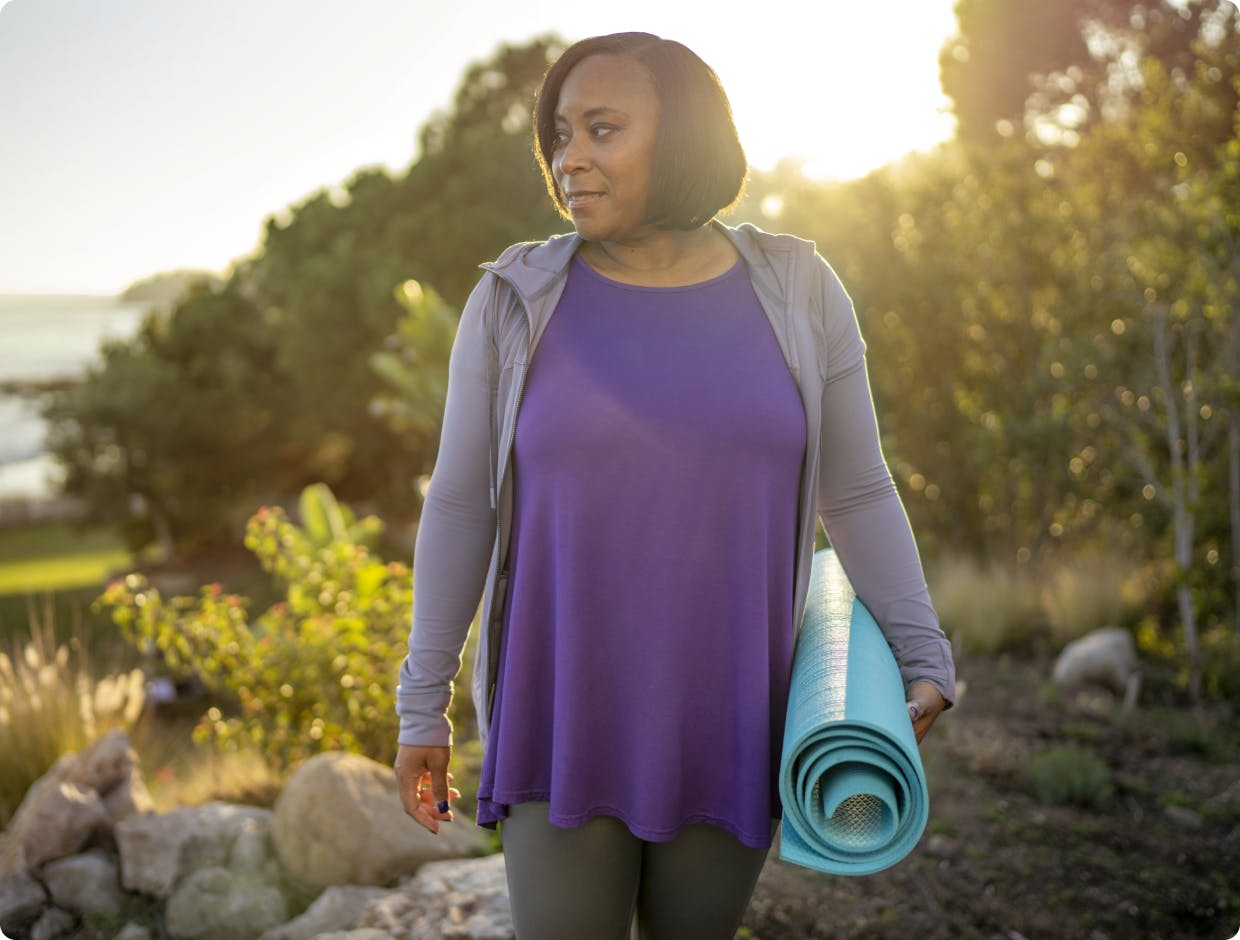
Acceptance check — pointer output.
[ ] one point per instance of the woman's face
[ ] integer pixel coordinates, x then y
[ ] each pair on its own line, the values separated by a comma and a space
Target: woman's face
606, 121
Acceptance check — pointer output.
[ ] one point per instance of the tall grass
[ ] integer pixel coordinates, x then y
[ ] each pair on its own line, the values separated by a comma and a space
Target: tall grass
56, 697
998, 609
1096, 590
986, 611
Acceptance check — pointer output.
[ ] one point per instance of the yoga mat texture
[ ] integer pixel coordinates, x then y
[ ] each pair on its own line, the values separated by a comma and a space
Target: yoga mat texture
850, 778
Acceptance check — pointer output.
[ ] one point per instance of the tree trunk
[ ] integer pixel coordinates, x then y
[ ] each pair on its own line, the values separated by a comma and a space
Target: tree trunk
1183, 450
1233, 480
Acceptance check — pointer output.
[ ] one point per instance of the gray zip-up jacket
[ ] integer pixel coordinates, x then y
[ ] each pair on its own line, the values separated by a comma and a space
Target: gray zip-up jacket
461, 550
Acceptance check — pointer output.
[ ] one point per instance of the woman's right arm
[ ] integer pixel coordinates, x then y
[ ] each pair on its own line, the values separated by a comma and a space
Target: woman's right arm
452, 551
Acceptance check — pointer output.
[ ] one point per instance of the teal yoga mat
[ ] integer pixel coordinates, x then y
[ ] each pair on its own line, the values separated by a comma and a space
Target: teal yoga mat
850, 779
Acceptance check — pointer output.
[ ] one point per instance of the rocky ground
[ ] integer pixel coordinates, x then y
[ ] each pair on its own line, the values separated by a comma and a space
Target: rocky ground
1159, 859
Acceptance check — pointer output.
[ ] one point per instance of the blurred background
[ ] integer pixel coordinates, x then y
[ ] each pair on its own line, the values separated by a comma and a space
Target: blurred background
235, 242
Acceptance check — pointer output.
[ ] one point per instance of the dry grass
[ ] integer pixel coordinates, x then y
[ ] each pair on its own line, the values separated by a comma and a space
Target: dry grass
997, 609
1097, 590
179, 773
986, 611
56, 697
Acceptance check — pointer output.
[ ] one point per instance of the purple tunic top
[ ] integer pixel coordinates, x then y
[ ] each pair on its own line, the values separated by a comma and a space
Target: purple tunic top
659, 444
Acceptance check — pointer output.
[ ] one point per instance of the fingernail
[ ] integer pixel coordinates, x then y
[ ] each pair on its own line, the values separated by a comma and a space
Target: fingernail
914, 709
442, 806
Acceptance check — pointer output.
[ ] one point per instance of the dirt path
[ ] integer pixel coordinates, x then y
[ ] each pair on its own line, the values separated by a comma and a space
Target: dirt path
1161, 859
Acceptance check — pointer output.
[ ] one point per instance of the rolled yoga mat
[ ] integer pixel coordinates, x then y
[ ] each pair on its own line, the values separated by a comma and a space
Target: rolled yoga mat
850, 779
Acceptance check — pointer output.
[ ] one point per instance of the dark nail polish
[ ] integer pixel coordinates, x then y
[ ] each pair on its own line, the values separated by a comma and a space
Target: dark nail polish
442, 806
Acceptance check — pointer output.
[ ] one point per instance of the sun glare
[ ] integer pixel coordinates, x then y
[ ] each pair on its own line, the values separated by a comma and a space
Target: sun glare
852, 87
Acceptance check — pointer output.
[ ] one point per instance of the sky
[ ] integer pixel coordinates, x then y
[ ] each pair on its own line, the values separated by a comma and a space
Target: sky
139, 136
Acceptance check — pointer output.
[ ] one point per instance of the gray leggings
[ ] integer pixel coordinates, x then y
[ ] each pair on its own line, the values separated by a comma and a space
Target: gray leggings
566, 884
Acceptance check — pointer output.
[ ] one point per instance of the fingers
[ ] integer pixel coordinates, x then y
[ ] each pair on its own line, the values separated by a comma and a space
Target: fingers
422, 774
924, 704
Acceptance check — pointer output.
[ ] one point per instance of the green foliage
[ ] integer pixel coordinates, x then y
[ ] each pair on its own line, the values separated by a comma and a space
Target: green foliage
314, 672
1071, 775
244, 393
1054, 366
143, 437
326, 521
414, 366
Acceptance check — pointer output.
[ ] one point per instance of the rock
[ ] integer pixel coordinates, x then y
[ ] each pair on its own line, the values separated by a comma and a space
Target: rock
465, 899
1106, 657
132, 931
53, 923
106, 764
57, 818
157, 850
22, 898
79, 798
363, 933
128, 797
1183, 816
217, 904
339, 821
336, 909
88, 883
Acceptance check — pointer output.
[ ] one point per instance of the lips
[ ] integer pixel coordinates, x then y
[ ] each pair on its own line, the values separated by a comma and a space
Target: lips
582, 198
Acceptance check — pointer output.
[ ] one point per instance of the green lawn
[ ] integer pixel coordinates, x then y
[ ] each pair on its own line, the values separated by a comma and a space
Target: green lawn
56, 555
55, 565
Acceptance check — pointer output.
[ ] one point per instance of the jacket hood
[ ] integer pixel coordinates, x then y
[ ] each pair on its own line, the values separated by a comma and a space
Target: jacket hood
534, 267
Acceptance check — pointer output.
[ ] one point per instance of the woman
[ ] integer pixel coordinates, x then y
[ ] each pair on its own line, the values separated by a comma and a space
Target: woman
691, 397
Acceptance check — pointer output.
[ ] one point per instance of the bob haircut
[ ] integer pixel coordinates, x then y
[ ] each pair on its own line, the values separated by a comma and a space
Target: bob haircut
699, 166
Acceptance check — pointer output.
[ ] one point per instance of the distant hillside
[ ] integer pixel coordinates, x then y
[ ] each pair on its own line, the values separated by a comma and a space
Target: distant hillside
167, 288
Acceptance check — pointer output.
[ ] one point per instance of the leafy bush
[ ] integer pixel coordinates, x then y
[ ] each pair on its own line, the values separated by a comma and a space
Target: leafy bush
56, 697
316, 671
1071, 775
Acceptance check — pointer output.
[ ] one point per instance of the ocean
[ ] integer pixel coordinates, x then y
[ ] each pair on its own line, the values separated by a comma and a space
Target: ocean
48, 336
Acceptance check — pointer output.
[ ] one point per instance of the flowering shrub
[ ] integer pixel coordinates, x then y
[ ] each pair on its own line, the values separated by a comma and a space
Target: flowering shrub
316, 671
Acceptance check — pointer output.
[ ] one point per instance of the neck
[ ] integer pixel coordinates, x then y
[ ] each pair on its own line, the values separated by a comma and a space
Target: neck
656, 252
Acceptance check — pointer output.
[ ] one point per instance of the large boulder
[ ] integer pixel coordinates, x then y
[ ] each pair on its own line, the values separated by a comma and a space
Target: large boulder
339, 820
337, 908
218, 904
75, 804
158, 850
466, 899
57, 818
1105, 657
88, 883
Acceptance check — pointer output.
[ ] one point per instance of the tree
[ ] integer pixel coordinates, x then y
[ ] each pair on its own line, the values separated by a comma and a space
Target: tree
278, 380
178, 428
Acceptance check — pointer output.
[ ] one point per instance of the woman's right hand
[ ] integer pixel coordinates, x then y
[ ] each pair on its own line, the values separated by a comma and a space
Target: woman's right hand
422, 776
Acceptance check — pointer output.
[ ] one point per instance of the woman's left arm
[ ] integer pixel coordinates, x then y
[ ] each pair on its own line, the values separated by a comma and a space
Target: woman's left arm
866, 521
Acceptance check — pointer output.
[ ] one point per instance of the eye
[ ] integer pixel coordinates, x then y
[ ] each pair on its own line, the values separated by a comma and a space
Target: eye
602, 131
558, 139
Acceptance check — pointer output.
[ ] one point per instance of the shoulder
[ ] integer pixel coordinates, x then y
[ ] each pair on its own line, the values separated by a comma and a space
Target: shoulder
549, 254
759, 241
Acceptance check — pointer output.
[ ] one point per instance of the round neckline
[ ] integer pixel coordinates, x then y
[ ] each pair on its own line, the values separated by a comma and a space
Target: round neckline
697, 285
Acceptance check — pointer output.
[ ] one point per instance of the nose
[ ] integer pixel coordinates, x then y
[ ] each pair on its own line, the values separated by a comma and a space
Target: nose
573, 156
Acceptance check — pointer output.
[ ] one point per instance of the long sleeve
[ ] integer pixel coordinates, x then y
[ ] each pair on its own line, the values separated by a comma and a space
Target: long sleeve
862, 512
455, 535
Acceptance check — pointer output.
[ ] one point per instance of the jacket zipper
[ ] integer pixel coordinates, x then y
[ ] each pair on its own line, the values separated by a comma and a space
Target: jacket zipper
506, 449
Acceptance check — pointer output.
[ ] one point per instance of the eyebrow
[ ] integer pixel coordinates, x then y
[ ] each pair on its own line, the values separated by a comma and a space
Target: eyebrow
593, 112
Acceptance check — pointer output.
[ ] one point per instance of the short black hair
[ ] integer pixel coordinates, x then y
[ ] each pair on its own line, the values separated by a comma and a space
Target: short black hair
699, 165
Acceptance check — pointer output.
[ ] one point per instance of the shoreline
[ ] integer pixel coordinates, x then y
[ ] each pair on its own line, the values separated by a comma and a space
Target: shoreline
31, 388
